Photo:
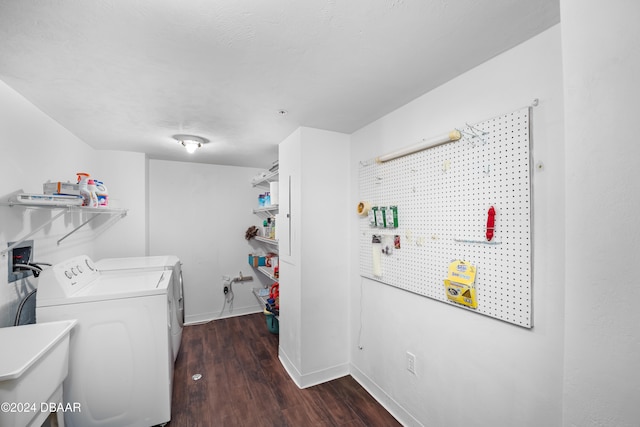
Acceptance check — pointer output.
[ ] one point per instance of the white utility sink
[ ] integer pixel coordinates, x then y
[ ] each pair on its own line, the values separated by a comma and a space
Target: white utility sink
33, 365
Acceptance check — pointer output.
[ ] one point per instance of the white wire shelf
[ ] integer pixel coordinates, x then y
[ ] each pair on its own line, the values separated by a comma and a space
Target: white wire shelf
266, 179
262, 299
268, 271
266, 209
64, 209
267, 240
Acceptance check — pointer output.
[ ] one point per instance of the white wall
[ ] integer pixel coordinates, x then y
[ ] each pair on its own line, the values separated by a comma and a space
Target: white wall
200, 213
34, 149
124, 174
314, 266
289, 240
602, 346
324, 253
472, 370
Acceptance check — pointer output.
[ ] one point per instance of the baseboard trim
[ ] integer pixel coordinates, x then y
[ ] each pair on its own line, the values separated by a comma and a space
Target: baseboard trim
393, 407
208, 317
313, 378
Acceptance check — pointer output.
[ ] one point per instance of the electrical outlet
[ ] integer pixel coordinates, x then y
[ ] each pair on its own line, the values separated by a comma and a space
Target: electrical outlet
226, 282
411, 363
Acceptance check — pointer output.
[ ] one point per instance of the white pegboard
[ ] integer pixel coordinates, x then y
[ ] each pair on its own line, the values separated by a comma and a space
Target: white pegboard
443, 195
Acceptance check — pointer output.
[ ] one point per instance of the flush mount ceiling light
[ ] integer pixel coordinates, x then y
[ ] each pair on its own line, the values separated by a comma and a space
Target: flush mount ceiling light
190, 142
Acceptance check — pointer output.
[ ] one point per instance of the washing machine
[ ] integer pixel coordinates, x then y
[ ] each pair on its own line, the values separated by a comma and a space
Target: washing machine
155, 263
120, 356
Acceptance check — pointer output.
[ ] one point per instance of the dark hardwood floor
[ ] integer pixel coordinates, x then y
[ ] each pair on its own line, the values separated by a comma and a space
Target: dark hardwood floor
244, 384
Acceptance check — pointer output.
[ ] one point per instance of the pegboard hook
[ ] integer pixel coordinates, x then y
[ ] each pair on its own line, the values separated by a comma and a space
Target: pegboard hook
475, 133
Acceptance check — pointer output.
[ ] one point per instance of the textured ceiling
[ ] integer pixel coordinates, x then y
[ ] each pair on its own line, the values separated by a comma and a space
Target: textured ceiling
129, 74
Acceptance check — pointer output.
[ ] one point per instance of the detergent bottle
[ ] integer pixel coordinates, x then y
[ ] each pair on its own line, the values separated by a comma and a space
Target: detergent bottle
101, 192
87, 199
91, 186
83, 179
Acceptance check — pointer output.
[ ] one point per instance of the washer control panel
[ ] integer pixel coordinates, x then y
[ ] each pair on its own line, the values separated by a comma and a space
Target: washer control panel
67, 277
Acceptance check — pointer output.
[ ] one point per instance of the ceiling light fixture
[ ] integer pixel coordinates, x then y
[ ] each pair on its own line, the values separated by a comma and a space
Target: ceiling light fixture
190, 142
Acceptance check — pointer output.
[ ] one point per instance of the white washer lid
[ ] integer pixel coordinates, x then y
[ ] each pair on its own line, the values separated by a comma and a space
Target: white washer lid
133, 284
132, 263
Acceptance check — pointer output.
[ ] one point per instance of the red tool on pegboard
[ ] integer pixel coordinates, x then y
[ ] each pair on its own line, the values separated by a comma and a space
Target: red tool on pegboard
491, 221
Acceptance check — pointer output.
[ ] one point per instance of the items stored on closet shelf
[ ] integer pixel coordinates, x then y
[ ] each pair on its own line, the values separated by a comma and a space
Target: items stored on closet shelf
257, 260
101, 192
268, 260
61, 188
273, 170
274, 193
49, 199
269, 198
87, 191
251, 232
273, 302
273, 324
269, 228
271, 260
264, 200
93, 192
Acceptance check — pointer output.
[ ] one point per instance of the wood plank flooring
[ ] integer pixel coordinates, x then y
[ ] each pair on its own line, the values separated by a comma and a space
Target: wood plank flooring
244, 384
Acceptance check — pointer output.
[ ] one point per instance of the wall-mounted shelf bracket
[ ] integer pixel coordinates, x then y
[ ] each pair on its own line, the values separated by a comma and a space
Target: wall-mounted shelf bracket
64, 209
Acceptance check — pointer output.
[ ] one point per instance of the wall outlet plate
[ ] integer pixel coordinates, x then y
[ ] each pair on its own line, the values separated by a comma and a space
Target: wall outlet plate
411, 363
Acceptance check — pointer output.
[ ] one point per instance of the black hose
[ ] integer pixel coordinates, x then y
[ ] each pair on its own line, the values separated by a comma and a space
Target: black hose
22, 303
35, 268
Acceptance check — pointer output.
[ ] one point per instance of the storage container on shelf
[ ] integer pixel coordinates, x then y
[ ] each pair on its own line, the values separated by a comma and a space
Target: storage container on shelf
272, 322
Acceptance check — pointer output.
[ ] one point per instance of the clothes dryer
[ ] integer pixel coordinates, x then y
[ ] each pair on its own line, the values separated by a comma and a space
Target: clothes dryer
120, 357
156, 263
